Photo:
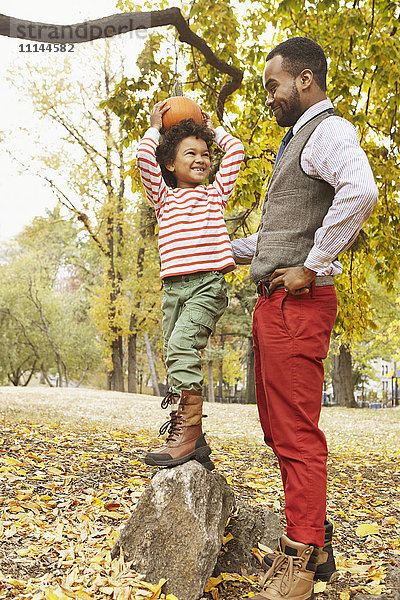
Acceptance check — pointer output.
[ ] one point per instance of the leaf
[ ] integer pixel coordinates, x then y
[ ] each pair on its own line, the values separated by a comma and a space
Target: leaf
212, 583
54, 471
227, 539
265, 549
82, 595
391, 521
156, 589
10, 531
259, 556
113, 514
17, 583
110, 505
125, 593
96, 502
319, 587
367, 529
215, 594
9, 460
50, 595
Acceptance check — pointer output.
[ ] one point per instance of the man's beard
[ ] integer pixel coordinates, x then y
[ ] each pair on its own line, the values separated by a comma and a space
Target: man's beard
290, 111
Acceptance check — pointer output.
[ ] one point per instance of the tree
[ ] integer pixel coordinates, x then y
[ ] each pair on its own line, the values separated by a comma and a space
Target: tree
237, 320
381, 340
93, 161
41, 298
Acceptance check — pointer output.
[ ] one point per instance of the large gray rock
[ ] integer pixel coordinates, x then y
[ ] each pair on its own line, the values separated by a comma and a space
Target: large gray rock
176, 529
249, 526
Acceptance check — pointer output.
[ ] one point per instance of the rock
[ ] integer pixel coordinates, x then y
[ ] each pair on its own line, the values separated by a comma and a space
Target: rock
176, 529
249, 526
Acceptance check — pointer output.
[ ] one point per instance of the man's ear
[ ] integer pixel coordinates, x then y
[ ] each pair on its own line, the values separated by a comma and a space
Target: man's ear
170, 167
306, 78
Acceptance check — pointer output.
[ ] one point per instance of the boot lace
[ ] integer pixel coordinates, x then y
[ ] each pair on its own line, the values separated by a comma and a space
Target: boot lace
170, 398
282, 569
172, 426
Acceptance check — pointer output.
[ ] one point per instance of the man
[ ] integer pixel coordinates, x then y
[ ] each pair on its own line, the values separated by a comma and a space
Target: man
321, 192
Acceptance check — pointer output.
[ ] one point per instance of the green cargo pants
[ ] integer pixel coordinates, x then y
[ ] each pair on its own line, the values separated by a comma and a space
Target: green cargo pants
191, 306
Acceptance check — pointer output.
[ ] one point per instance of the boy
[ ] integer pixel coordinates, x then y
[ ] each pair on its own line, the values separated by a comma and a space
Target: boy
195, 253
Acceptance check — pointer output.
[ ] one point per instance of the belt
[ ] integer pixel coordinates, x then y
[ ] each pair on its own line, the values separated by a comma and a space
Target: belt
263, 286
186, 276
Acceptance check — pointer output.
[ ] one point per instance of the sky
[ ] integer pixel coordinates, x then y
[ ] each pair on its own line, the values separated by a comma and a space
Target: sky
23, 195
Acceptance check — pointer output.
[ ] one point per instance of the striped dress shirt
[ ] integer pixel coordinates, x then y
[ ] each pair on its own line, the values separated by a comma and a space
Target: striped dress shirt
333, 154
193, 236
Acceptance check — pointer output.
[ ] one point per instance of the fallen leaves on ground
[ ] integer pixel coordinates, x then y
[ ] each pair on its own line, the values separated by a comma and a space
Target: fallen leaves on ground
65, 493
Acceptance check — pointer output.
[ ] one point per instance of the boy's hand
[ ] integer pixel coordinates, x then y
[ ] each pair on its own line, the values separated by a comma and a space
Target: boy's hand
207, 119
156, 114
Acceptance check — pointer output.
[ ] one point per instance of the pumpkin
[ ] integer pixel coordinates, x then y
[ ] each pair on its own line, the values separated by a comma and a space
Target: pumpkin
181, 108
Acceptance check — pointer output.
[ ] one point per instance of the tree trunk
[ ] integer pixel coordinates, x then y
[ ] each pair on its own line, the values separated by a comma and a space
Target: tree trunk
342, 378
152, 366
14, 377
221, 373
45, 376
85, 370
59, 369
251, 385
31, 373
132, 338
66, 378
210, 377
117, 383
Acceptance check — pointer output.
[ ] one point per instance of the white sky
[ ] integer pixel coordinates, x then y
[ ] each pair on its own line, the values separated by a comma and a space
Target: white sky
24, 196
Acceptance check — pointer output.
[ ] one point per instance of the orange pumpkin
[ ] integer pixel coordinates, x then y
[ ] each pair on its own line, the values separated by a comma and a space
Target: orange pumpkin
181, 108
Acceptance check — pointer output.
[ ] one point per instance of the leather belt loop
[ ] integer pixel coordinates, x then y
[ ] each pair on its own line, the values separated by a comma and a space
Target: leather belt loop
263, 288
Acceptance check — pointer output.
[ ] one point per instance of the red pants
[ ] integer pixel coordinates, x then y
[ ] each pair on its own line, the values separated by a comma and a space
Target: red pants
291, 337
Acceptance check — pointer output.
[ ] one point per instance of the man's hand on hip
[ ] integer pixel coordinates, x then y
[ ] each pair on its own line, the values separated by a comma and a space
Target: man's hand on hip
295, 280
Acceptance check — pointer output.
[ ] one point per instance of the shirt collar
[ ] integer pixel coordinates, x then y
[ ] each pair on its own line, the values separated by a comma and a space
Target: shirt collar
311, 112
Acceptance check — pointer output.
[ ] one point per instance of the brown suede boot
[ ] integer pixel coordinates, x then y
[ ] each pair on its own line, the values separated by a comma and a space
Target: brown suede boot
291, 575
185, 439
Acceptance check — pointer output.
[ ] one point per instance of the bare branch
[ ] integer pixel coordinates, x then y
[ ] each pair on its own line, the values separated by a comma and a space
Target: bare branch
82, 217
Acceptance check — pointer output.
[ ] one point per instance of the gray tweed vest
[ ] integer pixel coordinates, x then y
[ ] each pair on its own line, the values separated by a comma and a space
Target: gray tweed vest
294, 208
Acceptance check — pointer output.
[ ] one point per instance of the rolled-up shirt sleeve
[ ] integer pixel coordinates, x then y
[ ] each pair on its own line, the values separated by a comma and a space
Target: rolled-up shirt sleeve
244, 248
334, 154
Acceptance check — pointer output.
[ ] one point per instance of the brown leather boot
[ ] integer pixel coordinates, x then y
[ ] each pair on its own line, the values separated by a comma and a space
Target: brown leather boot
185, 439
326, 569
291, 575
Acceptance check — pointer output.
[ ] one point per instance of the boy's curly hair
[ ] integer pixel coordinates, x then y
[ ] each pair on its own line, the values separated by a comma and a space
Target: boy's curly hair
166, 150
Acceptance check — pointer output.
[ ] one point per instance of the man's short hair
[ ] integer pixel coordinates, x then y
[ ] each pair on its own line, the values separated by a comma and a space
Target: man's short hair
301, 53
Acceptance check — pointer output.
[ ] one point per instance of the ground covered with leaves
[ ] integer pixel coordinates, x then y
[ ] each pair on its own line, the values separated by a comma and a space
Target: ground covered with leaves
70, 475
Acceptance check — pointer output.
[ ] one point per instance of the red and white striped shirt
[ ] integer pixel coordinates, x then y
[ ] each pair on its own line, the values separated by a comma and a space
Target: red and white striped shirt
193, 235
332, 153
